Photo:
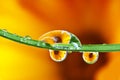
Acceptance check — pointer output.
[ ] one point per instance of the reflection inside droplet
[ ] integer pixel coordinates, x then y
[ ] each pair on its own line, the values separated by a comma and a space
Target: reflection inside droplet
90, 57
58, 56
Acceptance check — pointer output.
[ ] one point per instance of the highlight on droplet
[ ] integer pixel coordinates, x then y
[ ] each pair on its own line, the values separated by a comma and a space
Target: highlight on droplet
90, 57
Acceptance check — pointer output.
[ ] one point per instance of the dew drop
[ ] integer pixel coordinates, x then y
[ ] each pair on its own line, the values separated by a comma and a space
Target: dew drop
58, 56
21, 39
15, 34
75, 45
90, 57
44, 44
38, 43
28, 37
25, 39
4, 32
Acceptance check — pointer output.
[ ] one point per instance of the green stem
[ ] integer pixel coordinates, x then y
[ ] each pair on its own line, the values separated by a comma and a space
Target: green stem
59, 46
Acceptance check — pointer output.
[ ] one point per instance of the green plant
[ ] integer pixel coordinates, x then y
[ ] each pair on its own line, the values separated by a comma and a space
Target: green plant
74, 44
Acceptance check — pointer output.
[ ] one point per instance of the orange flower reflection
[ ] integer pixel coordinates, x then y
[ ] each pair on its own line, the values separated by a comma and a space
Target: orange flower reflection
93, 21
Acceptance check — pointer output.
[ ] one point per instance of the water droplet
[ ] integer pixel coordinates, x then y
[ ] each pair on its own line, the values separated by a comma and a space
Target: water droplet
58, 56
27, 37
76, 45
21, 39
38, 43
90, 57
70, 48
4, 32
15, 34
44, 44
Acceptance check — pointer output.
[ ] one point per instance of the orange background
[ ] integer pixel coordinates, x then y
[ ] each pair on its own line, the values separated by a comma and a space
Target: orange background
93, 21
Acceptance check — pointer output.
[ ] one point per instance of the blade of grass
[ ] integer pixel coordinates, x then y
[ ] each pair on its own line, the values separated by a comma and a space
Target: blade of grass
60, 46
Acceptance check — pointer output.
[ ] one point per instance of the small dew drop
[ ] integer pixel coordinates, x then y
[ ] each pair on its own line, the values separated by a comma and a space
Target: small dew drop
38, 43
27, 37
4, 32
15, 34
71, 48
58, 56
44, 44
75, 45
90, 57
21, 39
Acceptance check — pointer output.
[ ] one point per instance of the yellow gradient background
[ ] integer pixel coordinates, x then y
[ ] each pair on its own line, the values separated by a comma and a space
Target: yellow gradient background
36, 17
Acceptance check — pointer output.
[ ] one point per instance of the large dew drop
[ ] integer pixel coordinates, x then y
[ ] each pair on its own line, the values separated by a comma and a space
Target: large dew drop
90, 57
57, 36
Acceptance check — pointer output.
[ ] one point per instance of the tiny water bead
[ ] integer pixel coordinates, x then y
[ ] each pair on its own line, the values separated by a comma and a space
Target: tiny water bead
38, 43
25, 39
57, 36
21, 39
75, 45
90, 57
4, 32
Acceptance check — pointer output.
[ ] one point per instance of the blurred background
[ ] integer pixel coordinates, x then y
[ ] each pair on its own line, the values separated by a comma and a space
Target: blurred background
93, 21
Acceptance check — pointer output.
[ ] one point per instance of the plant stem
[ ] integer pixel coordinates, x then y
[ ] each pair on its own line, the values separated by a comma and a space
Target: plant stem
59, 46
90, 47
